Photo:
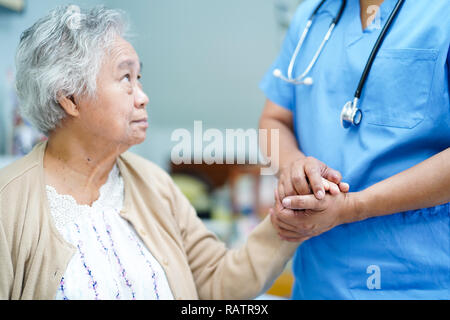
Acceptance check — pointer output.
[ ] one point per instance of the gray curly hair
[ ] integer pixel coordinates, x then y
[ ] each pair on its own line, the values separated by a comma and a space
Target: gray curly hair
61, 55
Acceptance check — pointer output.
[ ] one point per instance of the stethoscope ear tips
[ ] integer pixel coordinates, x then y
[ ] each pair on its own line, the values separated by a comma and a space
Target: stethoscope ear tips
308, 81
277, 73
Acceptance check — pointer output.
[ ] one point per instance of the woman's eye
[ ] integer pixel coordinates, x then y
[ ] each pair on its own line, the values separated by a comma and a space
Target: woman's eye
127, 77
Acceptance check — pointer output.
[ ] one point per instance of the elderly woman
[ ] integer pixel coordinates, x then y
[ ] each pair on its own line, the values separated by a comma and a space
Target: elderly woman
81, 218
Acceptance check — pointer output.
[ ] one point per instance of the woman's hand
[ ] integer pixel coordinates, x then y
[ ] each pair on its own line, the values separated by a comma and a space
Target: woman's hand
299, 218
305, 176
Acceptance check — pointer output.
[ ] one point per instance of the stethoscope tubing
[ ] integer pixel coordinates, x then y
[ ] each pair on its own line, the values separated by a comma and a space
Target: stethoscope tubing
334, 22
350, 110
377, 47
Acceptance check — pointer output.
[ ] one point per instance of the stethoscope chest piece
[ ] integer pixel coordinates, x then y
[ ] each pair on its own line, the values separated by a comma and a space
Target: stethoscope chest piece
350, 114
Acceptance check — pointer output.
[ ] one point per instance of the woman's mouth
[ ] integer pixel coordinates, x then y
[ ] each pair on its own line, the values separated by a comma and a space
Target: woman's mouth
141, 122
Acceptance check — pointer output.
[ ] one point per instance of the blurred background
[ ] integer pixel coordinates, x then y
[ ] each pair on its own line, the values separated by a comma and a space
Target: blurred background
203, 61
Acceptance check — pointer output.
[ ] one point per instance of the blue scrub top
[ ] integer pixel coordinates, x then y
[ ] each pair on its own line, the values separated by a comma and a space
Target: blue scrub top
406, 119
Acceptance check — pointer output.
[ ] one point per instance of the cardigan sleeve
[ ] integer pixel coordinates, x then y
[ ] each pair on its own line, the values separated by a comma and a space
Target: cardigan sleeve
221, 273
6, 267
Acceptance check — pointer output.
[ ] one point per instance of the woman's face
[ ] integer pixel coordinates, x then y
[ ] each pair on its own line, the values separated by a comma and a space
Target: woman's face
117, 115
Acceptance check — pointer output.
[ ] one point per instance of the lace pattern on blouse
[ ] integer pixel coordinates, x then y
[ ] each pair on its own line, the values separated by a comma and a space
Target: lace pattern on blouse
111, 261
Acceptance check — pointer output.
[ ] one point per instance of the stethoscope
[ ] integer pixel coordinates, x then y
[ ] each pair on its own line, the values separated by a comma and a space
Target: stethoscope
350, 114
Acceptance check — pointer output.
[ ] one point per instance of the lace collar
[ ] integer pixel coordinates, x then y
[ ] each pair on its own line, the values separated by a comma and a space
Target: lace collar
65, 209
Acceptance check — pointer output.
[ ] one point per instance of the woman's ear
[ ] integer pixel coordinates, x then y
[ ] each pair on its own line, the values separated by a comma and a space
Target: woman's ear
69, 105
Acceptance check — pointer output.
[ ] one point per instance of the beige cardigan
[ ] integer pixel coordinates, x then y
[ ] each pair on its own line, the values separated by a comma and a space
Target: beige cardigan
34, 256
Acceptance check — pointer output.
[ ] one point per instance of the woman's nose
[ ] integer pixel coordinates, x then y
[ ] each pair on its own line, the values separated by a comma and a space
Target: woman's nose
140, 98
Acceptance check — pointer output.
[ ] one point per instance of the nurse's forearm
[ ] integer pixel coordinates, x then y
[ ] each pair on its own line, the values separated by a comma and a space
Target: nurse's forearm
288, 148
425, 185
287, 142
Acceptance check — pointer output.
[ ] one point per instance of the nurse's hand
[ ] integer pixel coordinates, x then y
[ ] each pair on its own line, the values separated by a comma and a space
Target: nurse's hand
308, 175
298, 218
285, 231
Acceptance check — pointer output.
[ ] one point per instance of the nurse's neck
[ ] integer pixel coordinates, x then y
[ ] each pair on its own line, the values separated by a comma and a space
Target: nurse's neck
369, 9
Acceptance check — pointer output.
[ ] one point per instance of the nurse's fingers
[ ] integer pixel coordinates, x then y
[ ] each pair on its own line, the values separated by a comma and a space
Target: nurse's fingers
281, 212
279, 223
288, 188
326, 184
278, 205
299, 180
306, 202
279, 191
334, 189
277, 198
332, 175
344, 187
289, 235
331, 187
313, 173
287, 216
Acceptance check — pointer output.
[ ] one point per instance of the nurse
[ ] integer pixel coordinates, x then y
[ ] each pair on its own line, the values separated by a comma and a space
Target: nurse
389, 237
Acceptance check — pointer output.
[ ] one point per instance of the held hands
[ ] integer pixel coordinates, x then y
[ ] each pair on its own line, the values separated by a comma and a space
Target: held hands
310, 199
295, 176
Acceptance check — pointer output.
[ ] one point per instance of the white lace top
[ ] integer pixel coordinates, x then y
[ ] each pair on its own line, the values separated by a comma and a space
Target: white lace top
111, 261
